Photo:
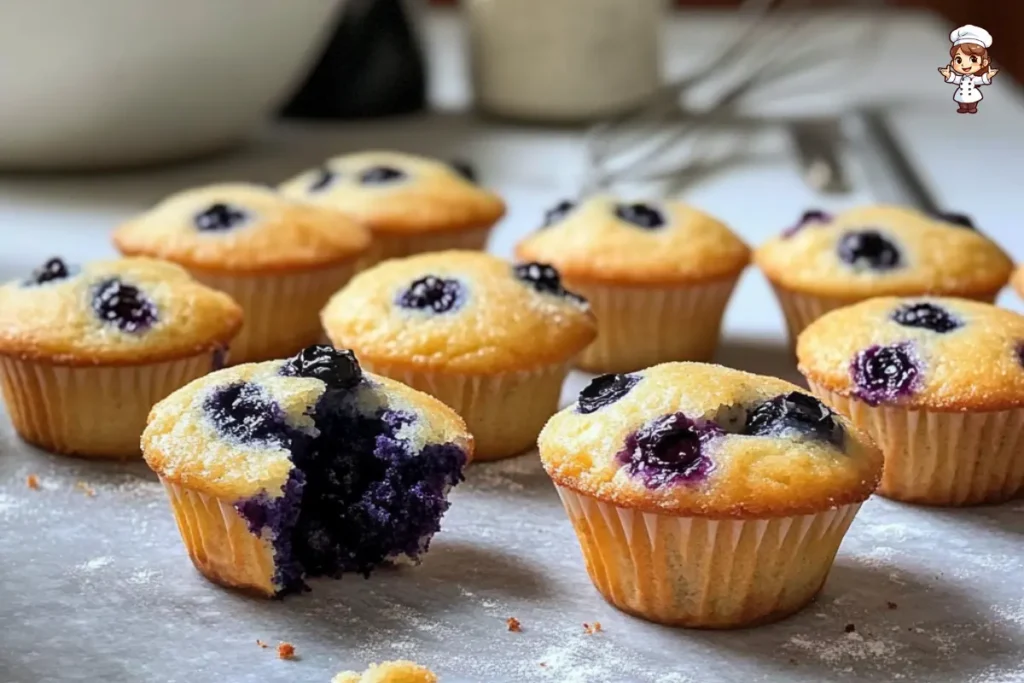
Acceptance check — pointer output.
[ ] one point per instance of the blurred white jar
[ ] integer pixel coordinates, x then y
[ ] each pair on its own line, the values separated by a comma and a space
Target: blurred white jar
563, 60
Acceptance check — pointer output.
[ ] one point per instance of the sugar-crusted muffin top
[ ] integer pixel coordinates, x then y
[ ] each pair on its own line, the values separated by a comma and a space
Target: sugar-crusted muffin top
401, 671
242, 228
607, 239
459, 311
225, 434
884, 251
399, 193
125, 311
936, 353
704, 440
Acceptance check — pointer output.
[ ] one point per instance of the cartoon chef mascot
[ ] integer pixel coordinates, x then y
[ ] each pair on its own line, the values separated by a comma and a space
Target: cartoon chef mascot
969, 66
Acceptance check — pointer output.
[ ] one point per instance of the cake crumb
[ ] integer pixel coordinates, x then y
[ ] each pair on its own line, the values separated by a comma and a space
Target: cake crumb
85, 488
850, 628
400, 670
591, 629
262, 644
792, 660
891, 605
513, 625
285, 651
543, 664
32, 481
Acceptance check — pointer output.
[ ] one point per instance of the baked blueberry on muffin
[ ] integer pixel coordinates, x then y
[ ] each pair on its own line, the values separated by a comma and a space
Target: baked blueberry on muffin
938, 384
279, 259
307, 467
824, 262
492, 340
657, 274
704, 496
412, 204
86, 351
401, 671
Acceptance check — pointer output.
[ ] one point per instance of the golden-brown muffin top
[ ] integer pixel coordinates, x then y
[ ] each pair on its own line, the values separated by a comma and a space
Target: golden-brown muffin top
459, 311
122, 312
704, 440
606, 239
244, 229
184, 443
398, 193
401, 671
884, 251
935, 353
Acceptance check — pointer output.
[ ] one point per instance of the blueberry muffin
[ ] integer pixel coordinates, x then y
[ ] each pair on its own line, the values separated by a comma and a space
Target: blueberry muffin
412, 204
279, 259
938, 383
400, 671
704, 496
492, 340
825, 262
658, 276
86, 351
284, 470
1017, 281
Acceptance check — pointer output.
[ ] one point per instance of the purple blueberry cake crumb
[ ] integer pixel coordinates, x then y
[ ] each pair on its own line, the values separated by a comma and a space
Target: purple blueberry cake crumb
669, 450
885, 373
810, 216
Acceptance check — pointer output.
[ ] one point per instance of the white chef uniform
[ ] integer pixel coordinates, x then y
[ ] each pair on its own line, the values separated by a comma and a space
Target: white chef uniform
969, 90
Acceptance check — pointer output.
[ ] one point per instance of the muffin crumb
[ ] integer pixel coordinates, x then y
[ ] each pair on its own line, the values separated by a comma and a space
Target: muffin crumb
591, 629
285, 651
262, 644
850, 628
513, 625
85, 488
32, 481
891, 605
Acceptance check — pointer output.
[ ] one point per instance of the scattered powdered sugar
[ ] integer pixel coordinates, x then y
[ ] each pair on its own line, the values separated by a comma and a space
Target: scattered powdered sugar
1012, 612
95, 564
504, 475
143, 577
847, 648
9, 503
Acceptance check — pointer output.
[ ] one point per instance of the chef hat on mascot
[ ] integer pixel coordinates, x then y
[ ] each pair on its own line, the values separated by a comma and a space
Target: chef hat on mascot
971, 34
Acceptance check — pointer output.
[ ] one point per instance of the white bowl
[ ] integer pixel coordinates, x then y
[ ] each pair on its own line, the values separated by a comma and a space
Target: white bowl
103, 83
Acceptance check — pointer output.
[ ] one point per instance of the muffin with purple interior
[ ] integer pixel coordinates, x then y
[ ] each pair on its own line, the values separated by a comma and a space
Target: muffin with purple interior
281, 260
412, 204
938, 383
827, 261
658, 275
704, 496
308, 467
86, 351
491, 339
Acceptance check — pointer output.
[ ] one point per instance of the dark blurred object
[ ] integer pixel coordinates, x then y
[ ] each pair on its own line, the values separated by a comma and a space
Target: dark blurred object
372, 66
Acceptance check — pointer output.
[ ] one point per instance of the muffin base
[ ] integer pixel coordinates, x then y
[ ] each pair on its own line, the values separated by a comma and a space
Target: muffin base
282, 311
504, 412
941, 458
91, 411
705, 573
219, 542
642, 326
388, 245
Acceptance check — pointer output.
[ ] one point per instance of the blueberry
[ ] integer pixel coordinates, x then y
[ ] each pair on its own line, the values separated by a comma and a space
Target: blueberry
379, 175
926, 316
325, 177
604, 390
544, 278
640, 215
885, 373
810, 216
432, 293
960, 219
794, 412
868, 249
669, 450
54, 269
337, 368
464, 169
123, 305
243, 412
219, 217
558, 212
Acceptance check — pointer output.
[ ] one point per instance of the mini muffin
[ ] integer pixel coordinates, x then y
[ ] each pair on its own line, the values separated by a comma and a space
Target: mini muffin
492, 340
704, 496
412, 204
938, 384
306, 467
86, 352
826, 262
281, 260
658, 277
401, 671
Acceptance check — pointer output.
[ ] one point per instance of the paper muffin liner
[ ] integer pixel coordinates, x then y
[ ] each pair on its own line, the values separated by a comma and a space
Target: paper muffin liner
941, 458
388, 245
219, 542
91, 411
282, 311
504, 412
642, 326
705, 573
